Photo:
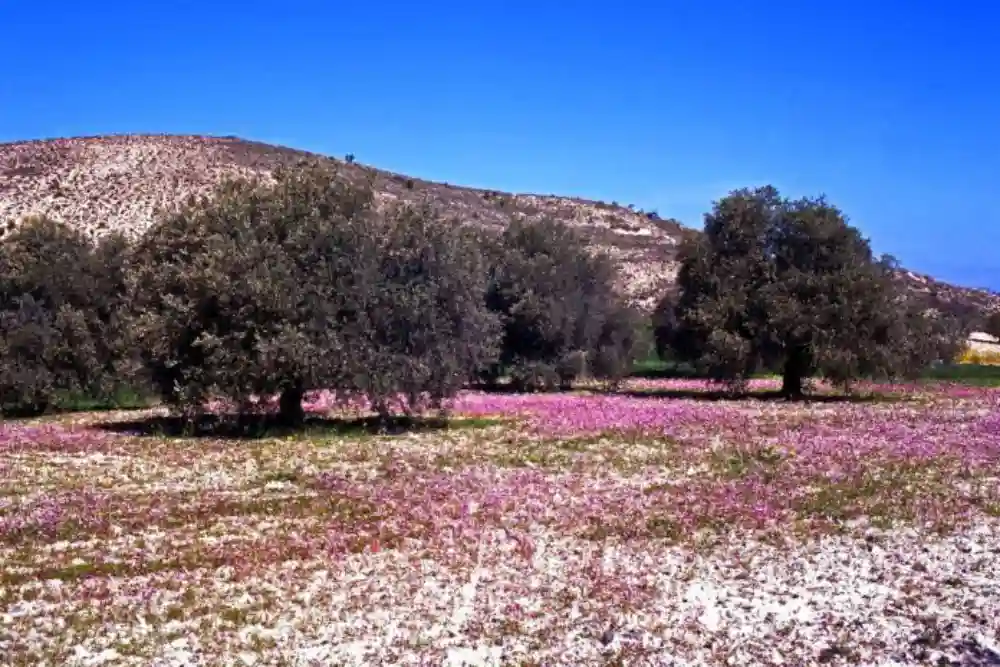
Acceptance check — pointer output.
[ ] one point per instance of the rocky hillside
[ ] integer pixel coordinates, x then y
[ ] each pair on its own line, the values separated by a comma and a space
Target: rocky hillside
124, 182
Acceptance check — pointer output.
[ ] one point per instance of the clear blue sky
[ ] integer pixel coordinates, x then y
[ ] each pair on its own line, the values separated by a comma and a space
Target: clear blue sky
891, 108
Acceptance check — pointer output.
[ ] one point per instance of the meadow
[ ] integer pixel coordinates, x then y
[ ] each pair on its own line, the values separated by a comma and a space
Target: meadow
659, 524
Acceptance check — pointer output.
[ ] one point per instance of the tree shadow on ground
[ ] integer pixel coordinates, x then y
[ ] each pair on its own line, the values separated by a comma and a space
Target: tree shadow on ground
714, 395
509, 388
242, 427
708, 395
69, 405
669, 373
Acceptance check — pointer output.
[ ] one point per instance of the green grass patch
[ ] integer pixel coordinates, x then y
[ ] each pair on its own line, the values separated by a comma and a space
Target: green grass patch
655, 369
475, 422
664, 528
739, 462
991, 508
970, 374
122, 398
883, 495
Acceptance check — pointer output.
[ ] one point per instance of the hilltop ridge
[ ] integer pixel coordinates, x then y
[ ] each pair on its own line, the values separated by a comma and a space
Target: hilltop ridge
122, 182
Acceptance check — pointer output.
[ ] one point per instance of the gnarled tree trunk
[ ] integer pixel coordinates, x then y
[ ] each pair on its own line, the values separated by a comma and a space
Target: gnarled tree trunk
796, 369
290, 412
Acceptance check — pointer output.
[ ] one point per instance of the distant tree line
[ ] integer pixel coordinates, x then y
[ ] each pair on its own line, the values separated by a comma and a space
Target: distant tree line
272, 289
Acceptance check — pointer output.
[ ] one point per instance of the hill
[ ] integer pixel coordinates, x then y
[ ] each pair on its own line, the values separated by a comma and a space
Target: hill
123, 182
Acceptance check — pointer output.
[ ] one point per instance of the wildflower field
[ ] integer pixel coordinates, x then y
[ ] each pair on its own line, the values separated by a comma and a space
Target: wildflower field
658, 525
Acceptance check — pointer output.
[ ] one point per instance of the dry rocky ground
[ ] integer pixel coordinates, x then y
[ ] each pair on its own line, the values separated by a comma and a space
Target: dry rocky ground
647, 527
122, 182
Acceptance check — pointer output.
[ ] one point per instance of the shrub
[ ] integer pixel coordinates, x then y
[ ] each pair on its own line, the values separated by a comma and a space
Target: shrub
278, 289
992, 324
562, 318
978, 357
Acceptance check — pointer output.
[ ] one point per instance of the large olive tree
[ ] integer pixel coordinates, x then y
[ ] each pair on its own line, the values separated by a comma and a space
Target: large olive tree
300, 283
790, 286
427, 329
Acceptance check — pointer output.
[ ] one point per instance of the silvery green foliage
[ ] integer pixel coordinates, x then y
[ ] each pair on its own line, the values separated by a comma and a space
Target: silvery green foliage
562, 318
301, 284
788, 286
61, 326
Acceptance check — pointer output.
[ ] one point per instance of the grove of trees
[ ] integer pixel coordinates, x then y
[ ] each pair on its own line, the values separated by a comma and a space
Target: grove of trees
276, 288
284, 288
270, 289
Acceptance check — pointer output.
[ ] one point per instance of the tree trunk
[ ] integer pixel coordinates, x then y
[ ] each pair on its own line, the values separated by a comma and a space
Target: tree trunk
380, 405
290, 412
791, 380
791, 384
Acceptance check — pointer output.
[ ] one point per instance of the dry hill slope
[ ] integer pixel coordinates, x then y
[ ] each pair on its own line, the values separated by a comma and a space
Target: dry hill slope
122, 182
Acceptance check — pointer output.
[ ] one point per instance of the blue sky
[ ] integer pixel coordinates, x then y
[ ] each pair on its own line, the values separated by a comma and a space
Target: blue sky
890, 108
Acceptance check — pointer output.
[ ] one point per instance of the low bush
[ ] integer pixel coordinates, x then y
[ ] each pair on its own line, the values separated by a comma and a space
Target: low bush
979, 357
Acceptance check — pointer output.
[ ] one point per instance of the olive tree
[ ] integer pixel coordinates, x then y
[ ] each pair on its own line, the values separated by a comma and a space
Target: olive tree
992, 325
790, 286
562, 317
61, 305
426, 330
300, 283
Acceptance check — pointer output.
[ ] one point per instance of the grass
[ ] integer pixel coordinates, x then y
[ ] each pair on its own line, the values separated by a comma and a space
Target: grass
122, 398
655, 368
884, 495
968, 374
739, 462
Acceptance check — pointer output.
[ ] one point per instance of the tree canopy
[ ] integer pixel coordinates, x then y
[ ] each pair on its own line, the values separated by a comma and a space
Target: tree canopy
299, 284
789, 286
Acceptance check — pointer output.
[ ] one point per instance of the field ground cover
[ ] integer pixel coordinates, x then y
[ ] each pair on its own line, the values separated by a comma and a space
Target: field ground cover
573, 529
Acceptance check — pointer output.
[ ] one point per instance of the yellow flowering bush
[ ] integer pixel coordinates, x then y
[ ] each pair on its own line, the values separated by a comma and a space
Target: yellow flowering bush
979, 357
